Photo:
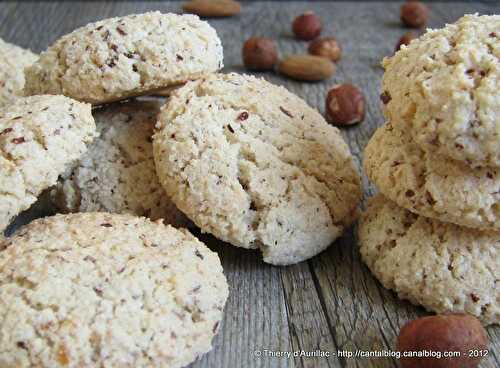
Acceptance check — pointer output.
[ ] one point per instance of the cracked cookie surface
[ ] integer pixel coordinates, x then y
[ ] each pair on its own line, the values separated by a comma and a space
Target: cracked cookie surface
431, 186
13, 60
107, 290
127, 56
443, 267
443, 88
40, 137
117, 174
255, 166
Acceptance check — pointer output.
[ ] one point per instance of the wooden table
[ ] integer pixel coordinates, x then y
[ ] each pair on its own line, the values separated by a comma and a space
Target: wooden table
330, 302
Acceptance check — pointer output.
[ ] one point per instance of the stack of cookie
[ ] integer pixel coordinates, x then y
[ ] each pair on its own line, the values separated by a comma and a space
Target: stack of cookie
433, 235
42, 137
244, 160
106, 287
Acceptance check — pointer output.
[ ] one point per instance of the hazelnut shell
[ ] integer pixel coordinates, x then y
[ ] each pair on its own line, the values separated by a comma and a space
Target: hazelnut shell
345, 105
443, 333
259, 53
414, 14
307, 26
327, 47
405, 40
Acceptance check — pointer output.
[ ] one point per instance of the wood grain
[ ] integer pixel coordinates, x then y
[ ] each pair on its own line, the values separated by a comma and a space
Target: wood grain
330, 302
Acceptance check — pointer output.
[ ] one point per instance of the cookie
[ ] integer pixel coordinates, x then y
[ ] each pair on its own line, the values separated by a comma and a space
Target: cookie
13, 60
254, 165
166, 92
441, 266
128, 56
98, 289
40, 137
443, 88
430, 185
117, 174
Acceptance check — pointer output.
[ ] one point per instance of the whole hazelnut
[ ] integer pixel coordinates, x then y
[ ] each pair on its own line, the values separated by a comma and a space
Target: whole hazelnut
405, 40
414, 14
307, 26
443, 333
327, 47
259, 53
345, 105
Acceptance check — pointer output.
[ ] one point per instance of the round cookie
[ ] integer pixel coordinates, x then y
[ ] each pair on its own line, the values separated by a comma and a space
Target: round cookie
40, 137
98, 289
431, 185
441, 266
443, 88
13, 60
128, 56
255, 166
118, 174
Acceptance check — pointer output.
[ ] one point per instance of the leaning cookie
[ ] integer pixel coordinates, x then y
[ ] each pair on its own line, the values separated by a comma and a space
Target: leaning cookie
13, 60
97, 289
443, 267
40, 137
118, 174
443, 88
430, 185
255, 166
128, 56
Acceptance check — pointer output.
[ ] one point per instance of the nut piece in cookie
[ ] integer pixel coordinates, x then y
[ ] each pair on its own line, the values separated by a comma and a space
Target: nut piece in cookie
13, 60
254, 165
117, 174
117, 58
443, 267
105, 289
40, 137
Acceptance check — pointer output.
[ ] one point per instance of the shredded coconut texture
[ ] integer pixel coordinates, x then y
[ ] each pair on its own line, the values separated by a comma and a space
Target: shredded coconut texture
40, 138
103, 290
256, 166
431, 186
443, 88
13, 60
117, 174
443, 267
128, 56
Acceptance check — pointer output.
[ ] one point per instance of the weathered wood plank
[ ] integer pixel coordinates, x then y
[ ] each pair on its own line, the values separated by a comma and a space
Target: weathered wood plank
309, 327
363, 314
255, 315
309, 330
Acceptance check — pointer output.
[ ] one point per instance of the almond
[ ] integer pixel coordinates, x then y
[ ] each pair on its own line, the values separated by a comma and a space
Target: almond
306, 67
212, 8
